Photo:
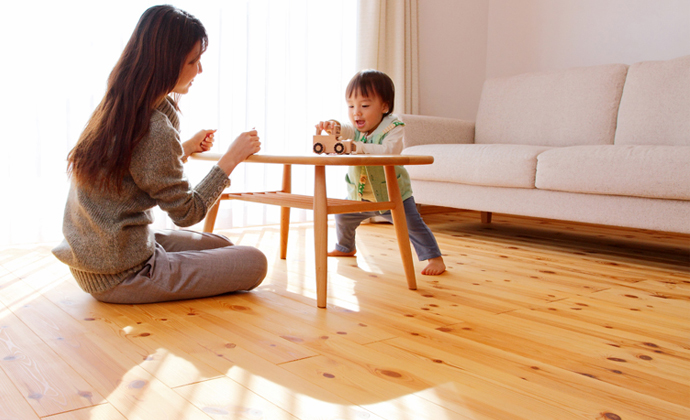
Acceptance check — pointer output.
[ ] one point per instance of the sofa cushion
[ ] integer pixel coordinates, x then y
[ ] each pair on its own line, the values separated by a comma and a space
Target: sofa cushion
424, 129
638, 171
495, 165
560, 108
655, 107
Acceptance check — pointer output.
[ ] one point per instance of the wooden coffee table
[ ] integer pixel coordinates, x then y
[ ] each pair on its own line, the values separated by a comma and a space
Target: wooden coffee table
323, 206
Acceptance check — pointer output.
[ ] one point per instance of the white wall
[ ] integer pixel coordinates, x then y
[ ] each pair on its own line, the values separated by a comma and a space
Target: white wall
452, 56
462, 42
537, 35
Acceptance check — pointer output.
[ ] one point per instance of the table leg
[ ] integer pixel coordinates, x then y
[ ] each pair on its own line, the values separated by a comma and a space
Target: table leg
285, 212
320, 235
400, 223
211, 215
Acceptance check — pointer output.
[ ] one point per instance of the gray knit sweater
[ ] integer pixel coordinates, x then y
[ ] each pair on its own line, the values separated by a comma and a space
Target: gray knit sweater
107, 234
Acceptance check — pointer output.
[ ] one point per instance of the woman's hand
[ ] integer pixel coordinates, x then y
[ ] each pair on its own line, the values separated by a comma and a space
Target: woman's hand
201, 142
245, 145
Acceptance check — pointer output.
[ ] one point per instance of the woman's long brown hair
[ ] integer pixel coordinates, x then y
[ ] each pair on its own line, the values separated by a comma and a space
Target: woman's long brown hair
145, 74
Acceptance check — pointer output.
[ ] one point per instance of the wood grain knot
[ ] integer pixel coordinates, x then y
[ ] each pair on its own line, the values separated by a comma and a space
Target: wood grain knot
390, 373
85, 394
138, 384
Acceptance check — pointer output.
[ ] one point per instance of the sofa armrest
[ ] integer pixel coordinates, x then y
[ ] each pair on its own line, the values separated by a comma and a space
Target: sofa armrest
422, 129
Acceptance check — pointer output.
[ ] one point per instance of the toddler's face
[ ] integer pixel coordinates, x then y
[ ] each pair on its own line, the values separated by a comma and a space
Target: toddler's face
365, 112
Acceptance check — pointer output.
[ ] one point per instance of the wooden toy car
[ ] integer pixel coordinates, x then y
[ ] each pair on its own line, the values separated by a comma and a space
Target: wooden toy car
331, 143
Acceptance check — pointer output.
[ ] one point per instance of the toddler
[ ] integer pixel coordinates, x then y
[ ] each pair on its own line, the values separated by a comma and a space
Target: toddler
375, 130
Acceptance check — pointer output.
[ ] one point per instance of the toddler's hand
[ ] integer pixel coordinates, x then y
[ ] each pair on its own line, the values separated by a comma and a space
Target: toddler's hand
328, 126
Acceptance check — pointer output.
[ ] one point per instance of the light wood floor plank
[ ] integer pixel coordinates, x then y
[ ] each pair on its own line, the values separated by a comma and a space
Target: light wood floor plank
99, 412
12, 404
546, 388
296, 395
47, 382
534, 319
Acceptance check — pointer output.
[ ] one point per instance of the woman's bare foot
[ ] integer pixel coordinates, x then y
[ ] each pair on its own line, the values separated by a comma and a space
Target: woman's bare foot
336, 253
435, 267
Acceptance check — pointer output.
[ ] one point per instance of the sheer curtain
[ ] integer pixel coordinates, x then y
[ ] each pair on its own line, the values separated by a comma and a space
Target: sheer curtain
277, 65
387, 40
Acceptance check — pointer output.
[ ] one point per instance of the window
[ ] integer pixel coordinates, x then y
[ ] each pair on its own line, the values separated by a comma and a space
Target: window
280, 66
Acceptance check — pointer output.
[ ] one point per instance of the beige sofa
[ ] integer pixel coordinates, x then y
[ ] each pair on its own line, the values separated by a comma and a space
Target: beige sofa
605, 144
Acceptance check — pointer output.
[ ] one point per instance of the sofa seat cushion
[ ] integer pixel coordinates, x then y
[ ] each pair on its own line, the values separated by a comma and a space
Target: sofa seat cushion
637, 171
494, 165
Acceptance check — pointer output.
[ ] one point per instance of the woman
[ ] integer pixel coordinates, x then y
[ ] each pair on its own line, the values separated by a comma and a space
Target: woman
129, 159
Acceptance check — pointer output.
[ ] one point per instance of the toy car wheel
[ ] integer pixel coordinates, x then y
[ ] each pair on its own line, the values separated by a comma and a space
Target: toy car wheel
318, 148
339, 148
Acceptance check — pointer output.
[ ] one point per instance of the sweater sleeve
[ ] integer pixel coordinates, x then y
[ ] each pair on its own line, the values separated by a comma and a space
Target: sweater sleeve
157, 169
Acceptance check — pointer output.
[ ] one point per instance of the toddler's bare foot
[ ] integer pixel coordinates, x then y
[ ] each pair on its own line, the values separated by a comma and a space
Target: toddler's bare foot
336, 253
435, 267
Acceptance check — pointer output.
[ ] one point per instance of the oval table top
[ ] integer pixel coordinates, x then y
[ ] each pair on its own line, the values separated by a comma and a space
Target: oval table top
329, 160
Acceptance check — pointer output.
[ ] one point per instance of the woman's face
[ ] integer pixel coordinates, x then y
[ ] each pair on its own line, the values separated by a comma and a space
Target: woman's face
191, 67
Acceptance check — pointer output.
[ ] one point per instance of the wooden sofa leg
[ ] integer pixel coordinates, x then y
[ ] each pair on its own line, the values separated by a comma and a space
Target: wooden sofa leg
486, 217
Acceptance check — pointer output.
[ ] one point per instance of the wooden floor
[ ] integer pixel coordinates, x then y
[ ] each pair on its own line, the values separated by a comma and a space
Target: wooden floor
533, 320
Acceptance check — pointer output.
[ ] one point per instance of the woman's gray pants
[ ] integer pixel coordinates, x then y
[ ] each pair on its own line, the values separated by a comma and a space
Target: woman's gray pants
189, 265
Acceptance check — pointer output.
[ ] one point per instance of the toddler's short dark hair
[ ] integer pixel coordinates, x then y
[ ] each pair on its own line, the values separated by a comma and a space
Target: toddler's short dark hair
373, 82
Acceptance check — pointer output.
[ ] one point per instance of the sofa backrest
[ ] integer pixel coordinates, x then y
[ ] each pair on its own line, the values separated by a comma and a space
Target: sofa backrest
655, 107
577, 106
